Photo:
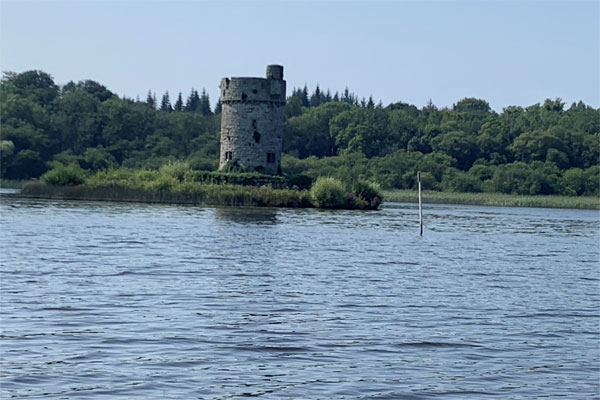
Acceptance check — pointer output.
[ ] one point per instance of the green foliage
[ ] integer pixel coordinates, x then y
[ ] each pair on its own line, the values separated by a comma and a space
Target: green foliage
495, 199
35, 85
175, 169
461, 182
328, 192
64, 158
299, 181
470, 104
202, 162
362, 130
343, 136
458, 145
592, 180
232, 166
122, 177
521, 178
97, 158
574, 182
7, 150
235, 178
309, 133
370, 193
64, 175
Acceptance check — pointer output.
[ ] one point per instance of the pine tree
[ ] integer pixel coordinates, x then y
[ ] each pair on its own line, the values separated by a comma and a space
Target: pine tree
371, 103
304, 98
218, 107
179, 103
192, 103
204, 106
336, 97
327, 97
165, 104
315, 99
151, 99
346, 97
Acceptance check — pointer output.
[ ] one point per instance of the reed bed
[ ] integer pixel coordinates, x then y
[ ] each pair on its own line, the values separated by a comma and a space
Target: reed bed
11, 184
183, 193
495, 199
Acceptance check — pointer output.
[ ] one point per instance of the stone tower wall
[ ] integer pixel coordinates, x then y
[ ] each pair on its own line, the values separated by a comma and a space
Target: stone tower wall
252, 121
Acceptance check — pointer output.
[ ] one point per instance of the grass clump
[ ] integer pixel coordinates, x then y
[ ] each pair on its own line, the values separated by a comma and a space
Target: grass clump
175, 169
328, 192
64, 175
369, 193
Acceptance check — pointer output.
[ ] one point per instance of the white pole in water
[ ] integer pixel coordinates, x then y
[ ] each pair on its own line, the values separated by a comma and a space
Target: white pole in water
420, 204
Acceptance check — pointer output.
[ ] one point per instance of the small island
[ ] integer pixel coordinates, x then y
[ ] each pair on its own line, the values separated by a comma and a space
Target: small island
250, 174
177, 183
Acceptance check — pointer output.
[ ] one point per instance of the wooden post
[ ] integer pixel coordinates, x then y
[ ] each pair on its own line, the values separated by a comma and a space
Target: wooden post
420, 204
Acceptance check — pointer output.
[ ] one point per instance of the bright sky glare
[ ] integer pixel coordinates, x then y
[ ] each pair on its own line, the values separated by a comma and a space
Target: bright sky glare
508, 52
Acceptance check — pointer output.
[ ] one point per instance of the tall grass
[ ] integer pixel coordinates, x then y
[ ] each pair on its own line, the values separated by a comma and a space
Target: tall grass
11, 184
170, 191
495, 199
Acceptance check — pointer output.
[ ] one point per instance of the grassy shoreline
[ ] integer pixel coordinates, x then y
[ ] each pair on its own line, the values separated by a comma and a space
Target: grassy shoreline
225, 195
11, 184
238, 196
176, 183
494, 199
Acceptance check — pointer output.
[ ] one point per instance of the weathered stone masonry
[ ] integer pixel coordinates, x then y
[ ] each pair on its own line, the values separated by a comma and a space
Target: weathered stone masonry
252, 121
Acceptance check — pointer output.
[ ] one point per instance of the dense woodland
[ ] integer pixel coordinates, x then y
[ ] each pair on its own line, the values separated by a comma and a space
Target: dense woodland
545, 148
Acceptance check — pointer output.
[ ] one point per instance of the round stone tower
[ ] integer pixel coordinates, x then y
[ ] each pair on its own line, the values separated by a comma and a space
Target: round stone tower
252, 121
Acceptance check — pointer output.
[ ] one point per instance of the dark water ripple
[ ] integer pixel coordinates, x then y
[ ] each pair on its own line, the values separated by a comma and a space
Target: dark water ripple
103, 300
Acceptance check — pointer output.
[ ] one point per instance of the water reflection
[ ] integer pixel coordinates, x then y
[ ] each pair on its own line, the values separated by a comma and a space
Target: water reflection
250, 216
9, 191
125, 300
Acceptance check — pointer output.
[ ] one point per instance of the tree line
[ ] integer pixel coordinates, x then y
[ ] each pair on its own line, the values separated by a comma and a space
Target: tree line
546, 148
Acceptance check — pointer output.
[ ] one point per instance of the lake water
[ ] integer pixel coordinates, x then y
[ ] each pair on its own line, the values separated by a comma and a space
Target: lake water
108, 300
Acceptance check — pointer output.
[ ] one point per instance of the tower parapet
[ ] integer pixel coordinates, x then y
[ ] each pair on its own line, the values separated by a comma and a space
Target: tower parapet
252, 121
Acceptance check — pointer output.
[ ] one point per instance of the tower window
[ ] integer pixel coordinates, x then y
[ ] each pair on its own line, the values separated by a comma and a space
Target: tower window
270, 157
229, 155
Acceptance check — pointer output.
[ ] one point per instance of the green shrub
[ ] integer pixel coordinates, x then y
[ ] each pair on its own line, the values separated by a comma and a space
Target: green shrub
461, 182
175, 169
482, 172
235, 178
573, 181
98, 158
352, 202
592, 180
328, 193
64, 175
163, 182
300, 181
144, 175
201, 162
368, 193
521, 178
112, 177
232, 166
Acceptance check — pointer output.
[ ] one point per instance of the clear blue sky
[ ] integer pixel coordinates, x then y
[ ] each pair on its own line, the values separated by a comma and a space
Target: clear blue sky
508, 53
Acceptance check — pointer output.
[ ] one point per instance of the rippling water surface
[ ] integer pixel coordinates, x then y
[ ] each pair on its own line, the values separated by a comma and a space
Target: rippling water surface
106, 300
